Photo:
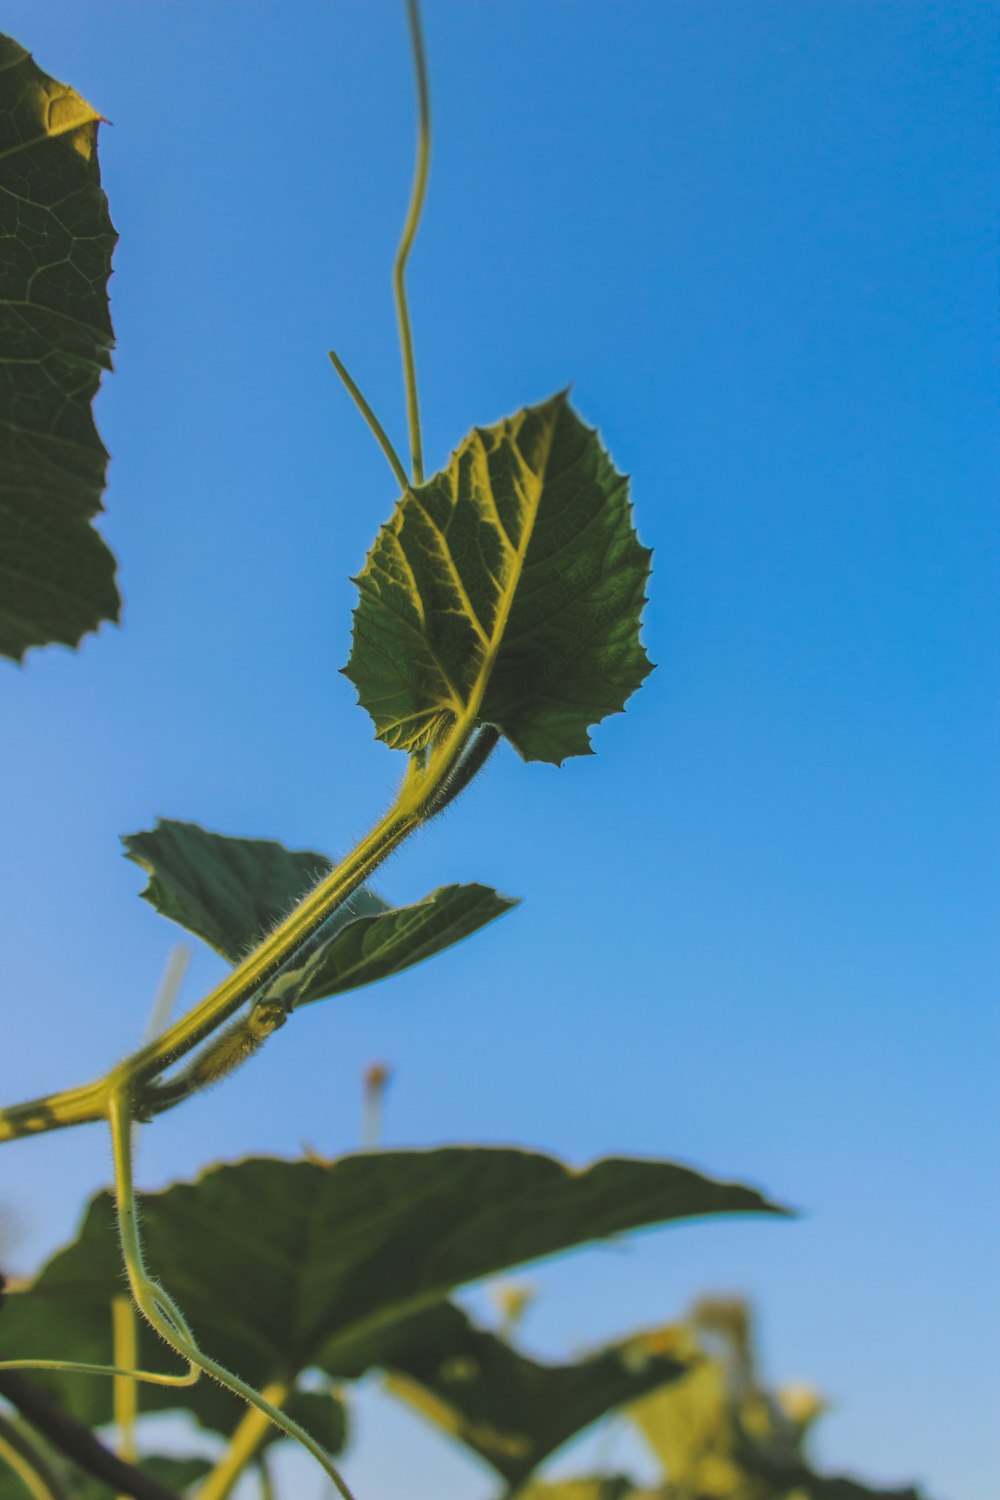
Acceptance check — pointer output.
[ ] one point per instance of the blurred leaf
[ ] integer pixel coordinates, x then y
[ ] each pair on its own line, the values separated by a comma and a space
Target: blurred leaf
58, 577
690, 1431
231, 891
177, 1474
511, 1410
511, 582
321, 1413
282, 1266
370, 948
595, 1487
719, 1436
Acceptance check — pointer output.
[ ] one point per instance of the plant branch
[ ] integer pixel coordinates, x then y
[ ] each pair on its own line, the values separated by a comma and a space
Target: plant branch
419, 799
77, 1442
409, 235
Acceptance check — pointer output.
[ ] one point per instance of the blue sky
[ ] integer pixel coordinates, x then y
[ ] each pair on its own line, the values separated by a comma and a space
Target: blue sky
757, 931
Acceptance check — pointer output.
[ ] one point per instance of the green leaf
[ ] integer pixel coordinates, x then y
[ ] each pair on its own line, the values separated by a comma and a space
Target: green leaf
511, 1410
57, 577
508, 587
230, 891
370, 948
283, 1266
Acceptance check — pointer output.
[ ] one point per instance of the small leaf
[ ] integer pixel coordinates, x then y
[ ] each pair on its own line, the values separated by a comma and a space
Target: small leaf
230, 891
57, 577
509, 586
513, 1411
283, 1266
366, 949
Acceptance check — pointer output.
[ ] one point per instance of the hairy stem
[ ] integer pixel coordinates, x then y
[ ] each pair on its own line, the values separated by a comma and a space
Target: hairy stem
410, 228
418, 801
156, 1305
243, 1447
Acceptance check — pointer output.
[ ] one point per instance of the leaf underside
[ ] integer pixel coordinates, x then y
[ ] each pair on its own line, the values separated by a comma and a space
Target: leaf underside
230, 892
57, 576
284, 1266
510, 586
367, 949
511, 1410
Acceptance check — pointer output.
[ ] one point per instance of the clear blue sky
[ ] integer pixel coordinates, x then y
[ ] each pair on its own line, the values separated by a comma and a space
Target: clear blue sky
760, 239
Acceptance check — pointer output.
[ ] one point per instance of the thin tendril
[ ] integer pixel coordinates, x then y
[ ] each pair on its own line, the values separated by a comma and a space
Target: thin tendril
373, 422
73, 1367
159, 1308
409, 235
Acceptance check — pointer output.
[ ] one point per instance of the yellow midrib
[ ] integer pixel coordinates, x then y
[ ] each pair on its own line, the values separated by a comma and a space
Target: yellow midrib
507, 597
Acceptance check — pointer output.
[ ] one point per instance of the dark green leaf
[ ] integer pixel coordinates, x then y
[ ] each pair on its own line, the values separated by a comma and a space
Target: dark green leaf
230, 891
282, 1266
57, 577
510, 586
371, 948
513, 1411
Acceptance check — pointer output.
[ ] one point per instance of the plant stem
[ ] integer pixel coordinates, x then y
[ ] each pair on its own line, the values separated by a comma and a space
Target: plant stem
54, 1111
420, 797
483, 743
409, 235
243, 1446
126, 1387
381, 436
30, 1464
266, 1481
157, 1306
